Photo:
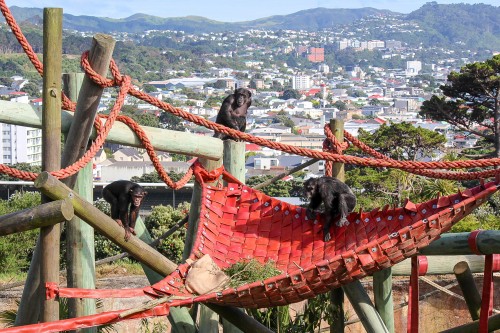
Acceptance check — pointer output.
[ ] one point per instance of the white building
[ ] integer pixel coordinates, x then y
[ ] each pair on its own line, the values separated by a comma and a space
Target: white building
301, 82
21, 145
413, 67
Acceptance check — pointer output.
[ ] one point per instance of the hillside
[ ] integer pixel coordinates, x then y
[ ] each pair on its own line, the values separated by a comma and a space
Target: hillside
473, 26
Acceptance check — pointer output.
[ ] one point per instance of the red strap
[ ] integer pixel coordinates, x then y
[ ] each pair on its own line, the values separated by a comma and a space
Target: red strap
87, 321
472, 240
487, 297
412, 323
423, 265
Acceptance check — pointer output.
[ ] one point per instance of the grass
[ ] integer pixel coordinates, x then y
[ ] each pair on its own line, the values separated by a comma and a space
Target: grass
6, 278
248, 271
120, 267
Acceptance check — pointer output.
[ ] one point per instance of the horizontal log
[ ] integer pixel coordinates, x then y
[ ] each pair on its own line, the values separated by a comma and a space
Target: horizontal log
56, 190
488, 242
162, 139
438, 265
40, 216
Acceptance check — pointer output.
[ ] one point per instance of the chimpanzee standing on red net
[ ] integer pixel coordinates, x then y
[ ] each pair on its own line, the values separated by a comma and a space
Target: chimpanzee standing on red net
335, 195
125, 198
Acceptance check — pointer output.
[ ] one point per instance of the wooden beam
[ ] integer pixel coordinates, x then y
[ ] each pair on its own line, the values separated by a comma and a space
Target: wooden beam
162, 139
493, 324
382, 294
51, 146
43, 215
55, 189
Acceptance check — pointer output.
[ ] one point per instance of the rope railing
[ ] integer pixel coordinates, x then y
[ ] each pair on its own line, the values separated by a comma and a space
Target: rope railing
333, 150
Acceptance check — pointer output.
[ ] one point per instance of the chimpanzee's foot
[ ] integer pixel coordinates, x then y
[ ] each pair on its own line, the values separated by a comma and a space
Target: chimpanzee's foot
127, 234
119, 222
132, 230
327, 236
342, 222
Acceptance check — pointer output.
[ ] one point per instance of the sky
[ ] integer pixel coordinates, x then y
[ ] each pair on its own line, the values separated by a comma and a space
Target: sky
219, 10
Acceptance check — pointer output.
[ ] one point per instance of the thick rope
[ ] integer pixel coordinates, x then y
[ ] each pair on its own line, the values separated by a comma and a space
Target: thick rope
333, 149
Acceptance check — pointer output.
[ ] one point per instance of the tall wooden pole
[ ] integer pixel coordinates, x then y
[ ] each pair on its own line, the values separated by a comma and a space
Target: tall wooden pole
51, 145
382, 294
337, 294
469, 289
80, 251
234, 163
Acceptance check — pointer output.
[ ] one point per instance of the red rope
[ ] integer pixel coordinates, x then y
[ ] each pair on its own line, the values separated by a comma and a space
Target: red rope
333, 148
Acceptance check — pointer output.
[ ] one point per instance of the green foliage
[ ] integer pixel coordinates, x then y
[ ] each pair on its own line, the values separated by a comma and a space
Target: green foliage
280, 188
403, 141
16, 249
248, 271
161, 219
316, 310
154, 177
290, 94
473, 100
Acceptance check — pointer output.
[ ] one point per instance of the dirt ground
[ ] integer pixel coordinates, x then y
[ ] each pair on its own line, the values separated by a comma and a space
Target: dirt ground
437, 309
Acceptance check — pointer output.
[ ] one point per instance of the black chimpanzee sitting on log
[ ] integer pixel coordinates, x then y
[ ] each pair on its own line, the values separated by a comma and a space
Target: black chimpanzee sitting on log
125, 198
233, 112
336, 196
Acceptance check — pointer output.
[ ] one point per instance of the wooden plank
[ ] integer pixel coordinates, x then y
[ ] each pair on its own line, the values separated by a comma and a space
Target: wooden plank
162, 139
438, 265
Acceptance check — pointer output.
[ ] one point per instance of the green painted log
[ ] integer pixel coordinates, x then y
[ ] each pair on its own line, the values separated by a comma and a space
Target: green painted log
364, 308
469, 289
488, 242
44, 215
493, 324
51, 147
382, 294
439, 265
179, 318
80, 253
161, 139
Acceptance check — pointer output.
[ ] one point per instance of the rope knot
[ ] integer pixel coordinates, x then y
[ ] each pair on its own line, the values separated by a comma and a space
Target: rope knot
332, 144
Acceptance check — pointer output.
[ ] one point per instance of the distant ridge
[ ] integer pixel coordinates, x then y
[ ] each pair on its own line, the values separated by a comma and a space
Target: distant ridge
474, 26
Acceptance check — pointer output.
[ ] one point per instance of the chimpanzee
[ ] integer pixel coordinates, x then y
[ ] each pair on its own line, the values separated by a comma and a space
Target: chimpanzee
233, 112
125, 198
336, 196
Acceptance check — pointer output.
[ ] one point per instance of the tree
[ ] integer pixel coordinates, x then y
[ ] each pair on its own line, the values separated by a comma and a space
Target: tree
403, 141
291, 93
471, 100
340, 105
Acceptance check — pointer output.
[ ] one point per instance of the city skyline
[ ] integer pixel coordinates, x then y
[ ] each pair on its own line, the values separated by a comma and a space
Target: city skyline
219, 10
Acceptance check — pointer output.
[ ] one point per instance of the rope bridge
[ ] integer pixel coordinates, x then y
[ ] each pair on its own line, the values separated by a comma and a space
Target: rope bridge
238, 222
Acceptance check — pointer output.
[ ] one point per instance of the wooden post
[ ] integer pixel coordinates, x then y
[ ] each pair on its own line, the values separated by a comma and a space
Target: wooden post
337, 294
51, 146
44, 215
364, 308
80, 252
194, 209
88, 102
382, 291
441, 265
469, 288
234, 163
